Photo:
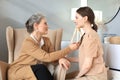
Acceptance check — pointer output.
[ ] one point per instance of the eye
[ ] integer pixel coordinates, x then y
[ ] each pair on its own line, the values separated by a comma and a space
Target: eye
76, 17
45, 23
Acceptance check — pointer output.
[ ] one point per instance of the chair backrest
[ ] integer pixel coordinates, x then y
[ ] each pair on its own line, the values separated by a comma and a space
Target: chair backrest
15, 38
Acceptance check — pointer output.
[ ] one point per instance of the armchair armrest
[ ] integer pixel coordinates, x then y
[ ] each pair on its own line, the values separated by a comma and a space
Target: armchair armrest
60, 73
3, 70
10, 43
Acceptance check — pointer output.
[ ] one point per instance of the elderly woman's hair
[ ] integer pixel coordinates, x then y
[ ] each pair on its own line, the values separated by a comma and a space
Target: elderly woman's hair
35, 18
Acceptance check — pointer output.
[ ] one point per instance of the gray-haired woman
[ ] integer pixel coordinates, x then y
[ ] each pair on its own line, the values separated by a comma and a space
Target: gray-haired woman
36, 48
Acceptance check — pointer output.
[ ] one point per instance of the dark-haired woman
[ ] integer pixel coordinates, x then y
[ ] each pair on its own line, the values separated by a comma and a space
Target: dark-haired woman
36, 49
91, 63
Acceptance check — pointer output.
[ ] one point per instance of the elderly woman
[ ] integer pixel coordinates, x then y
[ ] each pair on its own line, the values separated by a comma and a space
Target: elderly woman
36, 49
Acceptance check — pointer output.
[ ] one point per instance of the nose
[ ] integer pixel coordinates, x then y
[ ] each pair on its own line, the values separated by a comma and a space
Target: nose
47, 27
75, 21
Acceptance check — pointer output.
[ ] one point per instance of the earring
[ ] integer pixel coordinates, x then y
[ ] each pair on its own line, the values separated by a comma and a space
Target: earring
91, 25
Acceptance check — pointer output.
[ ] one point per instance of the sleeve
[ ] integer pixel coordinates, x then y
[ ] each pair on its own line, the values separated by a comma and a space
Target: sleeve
91, 47
48, 46
35, 51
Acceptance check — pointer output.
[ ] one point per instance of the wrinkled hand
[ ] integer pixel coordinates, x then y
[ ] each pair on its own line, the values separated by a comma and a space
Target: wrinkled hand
77, 76
64, 63
74, 46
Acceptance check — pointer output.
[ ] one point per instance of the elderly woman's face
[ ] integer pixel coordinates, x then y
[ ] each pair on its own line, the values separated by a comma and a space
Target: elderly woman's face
42, 27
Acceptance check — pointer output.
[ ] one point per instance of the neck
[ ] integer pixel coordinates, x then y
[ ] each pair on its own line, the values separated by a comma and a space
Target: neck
37, 36
87, 27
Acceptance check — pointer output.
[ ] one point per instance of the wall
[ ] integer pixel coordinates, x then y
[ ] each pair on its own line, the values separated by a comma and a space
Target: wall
114, 26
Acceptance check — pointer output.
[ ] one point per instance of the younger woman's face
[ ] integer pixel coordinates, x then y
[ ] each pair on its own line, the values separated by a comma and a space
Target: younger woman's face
79, 20
42, 27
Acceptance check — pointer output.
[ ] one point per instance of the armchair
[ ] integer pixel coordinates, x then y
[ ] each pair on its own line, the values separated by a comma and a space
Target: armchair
15, 38
3, 70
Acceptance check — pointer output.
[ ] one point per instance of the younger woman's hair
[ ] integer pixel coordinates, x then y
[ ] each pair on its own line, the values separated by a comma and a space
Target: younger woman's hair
35, 18
87, 11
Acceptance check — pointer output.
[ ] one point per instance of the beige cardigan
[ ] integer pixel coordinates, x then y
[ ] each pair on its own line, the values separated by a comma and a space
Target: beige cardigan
31, 54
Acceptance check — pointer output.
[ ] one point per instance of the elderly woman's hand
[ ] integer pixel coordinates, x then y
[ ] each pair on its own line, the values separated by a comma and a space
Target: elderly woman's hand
74, 46
64, 63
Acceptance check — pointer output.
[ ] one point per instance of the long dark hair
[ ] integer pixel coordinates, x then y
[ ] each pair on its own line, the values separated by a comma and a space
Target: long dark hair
87, 11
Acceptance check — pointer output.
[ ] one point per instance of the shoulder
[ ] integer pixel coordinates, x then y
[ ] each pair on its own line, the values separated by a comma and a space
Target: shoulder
29, 42
92, 35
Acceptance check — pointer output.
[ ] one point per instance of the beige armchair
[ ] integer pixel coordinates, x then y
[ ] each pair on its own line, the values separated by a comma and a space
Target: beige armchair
3, 70
15, 38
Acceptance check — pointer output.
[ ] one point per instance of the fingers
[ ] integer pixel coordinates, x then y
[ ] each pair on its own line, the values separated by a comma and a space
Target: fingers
64, 63
65, 66
76, 46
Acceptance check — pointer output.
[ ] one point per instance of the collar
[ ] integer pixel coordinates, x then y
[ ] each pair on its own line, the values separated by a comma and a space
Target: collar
41, 43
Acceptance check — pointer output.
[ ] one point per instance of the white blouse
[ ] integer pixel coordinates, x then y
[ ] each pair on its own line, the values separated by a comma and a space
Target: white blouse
41, 41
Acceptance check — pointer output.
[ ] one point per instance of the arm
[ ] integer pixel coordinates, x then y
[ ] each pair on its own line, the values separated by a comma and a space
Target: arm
90, 53
85, 67
50, 46
32, 49
64, 63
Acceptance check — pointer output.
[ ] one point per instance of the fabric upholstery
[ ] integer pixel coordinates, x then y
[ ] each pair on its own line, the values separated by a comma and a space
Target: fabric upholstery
3, 70
60, 73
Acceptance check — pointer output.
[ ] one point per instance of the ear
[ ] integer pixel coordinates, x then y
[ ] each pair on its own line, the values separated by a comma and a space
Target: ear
35, 25
85, 18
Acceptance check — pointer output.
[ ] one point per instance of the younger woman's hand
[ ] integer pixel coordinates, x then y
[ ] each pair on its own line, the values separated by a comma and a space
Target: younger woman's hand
64, 63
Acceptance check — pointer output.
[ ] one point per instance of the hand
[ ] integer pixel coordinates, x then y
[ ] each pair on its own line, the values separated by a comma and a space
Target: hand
64, 63
74, 46
78, 76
